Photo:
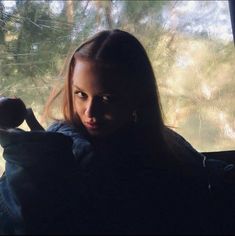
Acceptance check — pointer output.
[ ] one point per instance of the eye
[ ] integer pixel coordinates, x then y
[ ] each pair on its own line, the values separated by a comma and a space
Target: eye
107, 98
80, 94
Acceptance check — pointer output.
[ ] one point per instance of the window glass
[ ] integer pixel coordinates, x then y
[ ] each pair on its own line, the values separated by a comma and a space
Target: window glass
189, 43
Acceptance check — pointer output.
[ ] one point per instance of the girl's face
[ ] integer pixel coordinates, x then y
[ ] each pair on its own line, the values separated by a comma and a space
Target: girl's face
101, 100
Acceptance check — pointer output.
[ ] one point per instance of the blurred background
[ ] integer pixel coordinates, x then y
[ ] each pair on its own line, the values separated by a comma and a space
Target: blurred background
189, 43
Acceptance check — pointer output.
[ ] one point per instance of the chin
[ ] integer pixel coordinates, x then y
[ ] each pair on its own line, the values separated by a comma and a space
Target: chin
98, 133
95, 133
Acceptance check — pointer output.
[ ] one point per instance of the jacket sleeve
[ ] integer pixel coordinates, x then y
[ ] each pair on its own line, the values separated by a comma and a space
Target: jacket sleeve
30, 187
81, 147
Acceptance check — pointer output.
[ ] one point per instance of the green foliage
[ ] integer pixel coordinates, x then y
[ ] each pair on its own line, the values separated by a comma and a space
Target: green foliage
195, 74
134, 11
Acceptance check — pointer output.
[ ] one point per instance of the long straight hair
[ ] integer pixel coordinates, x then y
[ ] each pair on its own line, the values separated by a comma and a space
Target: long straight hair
124, 53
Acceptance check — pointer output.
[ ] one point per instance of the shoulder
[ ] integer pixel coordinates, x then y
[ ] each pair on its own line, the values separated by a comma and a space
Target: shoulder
178, 142
62, 127
183, 151
68, 130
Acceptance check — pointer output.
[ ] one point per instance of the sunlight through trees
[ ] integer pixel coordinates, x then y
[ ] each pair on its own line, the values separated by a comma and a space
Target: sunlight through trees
189, 43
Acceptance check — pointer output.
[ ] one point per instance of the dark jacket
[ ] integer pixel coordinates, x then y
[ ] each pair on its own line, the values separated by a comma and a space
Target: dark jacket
60, 182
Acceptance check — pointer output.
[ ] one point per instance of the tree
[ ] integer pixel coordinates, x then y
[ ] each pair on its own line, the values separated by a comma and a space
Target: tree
2, 24
35, 42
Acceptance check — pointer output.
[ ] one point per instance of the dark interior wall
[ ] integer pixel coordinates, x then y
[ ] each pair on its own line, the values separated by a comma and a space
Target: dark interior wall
228, 156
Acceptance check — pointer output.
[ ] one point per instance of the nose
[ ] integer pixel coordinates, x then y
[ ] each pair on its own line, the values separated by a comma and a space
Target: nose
92, 109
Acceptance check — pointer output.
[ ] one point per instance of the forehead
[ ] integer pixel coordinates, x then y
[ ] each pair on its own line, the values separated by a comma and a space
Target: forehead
97, 76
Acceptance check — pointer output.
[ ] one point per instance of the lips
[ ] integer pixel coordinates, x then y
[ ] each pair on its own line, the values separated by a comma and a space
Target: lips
92, 125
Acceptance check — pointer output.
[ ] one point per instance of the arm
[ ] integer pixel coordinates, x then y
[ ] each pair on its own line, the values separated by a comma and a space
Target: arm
36, 164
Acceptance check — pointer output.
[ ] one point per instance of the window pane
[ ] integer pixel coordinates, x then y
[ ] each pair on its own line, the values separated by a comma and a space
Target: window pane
189, 43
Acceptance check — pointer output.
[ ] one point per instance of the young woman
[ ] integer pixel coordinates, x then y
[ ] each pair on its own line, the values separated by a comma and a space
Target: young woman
111, 165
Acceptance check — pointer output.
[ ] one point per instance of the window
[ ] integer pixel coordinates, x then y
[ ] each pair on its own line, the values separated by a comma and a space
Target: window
189, 43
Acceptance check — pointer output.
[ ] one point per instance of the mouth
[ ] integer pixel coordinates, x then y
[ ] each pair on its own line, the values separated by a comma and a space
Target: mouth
92, 125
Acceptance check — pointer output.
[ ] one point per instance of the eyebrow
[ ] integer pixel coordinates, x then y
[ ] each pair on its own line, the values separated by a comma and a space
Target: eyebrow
101, 93
77, 87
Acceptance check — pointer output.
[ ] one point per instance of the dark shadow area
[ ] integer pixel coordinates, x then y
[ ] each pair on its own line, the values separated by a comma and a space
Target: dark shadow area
228, 156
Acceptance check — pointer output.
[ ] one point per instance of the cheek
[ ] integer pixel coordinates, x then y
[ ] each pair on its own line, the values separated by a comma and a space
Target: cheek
118, 114
77, 107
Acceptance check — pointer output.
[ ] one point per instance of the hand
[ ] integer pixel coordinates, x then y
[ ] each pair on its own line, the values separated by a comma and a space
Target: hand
16, 135
31, 120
